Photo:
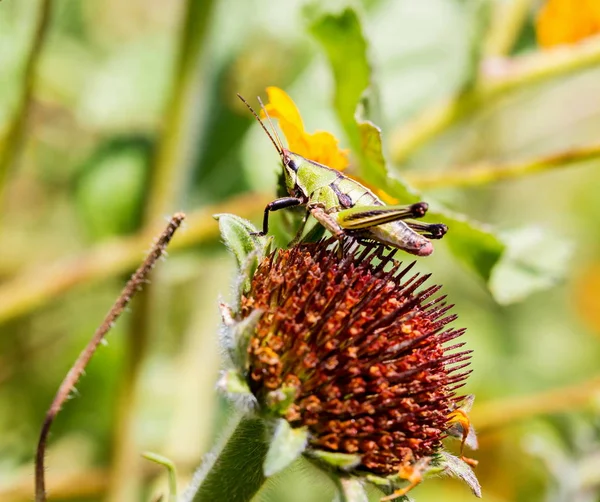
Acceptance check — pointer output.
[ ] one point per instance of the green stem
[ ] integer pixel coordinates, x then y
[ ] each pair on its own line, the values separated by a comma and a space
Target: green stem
233, 471
520, 73
178, 133
505, 412
14, 137
486, 173
171, 472
507, 24
36, 287
125, 476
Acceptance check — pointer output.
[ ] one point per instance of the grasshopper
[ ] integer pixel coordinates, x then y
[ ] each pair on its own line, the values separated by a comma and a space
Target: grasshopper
346, 208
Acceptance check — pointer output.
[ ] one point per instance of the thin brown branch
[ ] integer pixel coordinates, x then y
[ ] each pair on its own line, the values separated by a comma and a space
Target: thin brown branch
133, 285
505, 412
14, 136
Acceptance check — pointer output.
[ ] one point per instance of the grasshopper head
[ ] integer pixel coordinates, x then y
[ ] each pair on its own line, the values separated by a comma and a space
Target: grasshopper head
291, 163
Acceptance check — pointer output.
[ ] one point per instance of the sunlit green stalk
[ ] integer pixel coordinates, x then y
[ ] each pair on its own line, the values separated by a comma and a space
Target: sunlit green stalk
10, 145
36, 287
509, 411
172, 473
489, 173
507, 24
519, 73
178, 131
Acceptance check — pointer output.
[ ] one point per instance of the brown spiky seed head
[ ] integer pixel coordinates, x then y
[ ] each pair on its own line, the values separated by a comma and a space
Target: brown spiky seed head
356, 350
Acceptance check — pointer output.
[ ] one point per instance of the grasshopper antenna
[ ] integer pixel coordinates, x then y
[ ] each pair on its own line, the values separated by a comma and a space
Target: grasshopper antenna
262, 107
277, 143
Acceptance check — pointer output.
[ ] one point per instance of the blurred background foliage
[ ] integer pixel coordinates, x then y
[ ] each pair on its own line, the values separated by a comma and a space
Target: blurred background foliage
114, 114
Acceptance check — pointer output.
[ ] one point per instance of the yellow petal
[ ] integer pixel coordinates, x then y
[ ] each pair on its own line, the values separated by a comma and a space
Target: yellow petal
297, 139
324, 149
281, 106
567, 21
321, 146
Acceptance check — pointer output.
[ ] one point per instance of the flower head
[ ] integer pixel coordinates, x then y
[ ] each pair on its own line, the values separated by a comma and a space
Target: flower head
355, 350
567, 21
321, 146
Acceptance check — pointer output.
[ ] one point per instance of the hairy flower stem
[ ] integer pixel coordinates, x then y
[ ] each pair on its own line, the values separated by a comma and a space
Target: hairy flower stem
233, 471
131, 288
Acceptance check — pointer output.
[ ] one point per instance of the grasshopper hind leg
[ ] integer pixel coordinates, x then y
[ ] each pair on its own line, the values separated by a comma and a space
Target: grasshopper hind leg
345, 238
429, 230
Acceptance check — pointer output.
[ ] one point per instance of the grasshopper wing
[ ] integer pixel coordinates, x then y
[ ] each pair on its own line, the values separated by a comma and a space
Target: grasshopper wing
365, 217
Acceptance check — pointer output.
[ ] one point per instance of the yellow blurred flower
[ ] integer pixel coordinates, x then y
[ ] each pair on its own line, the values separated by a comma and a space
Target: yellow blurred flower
321, 147
567, 21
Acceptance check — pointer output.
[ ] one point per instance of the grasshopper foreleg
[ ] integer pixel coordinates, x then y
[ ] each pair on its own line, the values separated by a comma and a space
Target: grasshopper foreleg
276, 205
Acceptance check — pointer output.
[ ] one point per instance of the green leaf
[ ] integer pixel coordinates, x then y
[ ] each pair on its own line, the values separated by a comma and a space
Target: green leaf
350, 490
236, 335
535, 260
344, 461
454, 466
279, 400
110, 187
286, 446
340, 34
472, 243
233, 470
518, 274
478, 14
237, 235
232, 382
248, 249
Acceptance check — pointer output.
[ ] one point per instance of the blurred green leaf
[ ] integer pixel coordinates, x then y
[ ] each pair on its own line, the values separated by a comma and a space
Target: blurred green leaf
478, 13
342, 39
286, 446
345, 461
110, 188
128, 88
474, 246
248, 249
471, 243
534, 260
239, 334
351, 490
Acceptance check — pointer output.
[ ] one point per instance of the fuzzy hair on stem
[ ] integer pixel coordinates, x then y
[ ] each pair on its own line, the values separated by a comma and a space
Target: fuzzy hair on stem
134, 284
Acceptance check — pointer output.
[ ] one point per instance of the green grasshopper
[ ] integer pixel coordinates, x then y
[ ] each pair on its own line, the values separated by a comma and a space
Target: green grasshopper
345, 207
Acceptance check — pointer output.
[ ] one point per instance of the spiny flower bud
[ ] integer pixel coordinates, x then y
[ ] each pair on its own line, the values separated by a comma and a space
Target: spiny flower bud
356, 350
